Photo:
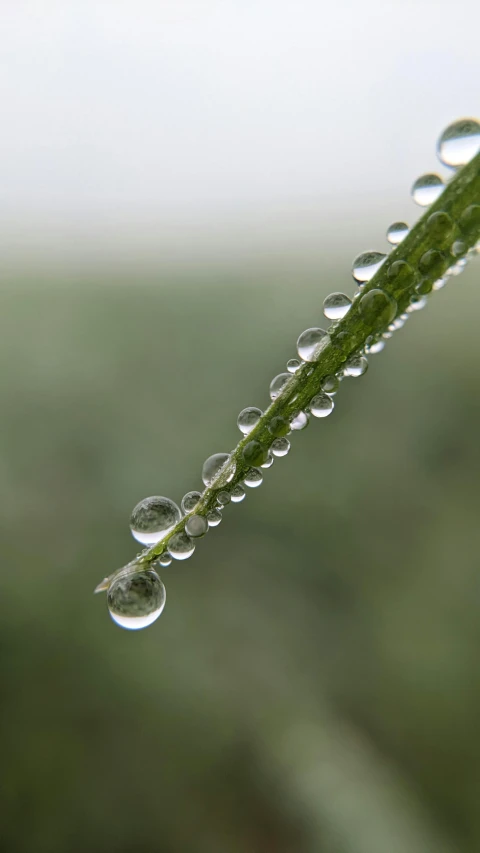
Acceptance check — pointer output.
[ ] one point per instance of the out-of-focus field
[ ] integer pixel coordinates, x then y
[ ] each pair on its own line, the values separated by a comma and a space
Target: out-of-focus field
313, 683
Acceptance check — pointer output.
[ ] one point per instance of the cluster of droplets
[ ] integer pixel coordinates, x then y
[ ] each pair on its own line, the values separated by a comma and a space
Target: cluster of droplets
136, 597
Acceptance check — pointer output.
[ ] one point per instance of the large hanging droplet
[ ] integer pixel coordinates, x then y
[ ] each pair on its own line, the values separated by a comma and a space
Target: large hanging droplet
219, 467
248, 419
300, 421
397, 232
237, 494
459, 143
152, 518
214, 517
366, 265
180, 546
311, 343
426, 189
196, 526
356, 366
321, 406
280, 446
136, 599
336, 306
189, 501
253, 478
278, 384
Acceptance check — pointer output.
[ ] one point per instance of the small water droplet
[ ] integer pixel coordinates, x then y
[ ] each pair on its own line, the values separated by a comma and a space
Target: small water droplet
397, 232
417, 303
311, 343
400, 271
223, 499
439, 284
238, 494
278, 384
254, 453
458, 248
293, 364
424, 286
459, 143
356, 366
375, 346
440, 224
268, 462
300, 421
279, 426
196, 526
427, 189
280, 446
336, 306
432, 263
219, 468
180, 546
164, 560
152, 518
331, 384
470, 219
377, 308
136, 599
366, 265
253, 478
214, 517
248, 419
189, 501
321, 406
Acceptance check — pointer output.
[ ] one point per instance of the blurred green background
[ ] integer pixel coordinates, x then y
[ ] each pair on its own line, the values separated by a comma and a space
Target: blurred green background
312, 684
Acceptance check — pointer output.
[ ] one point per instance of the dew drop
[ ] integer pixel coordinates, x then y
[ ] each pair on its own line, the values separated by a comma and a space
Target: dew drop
397, 232
180, 546
311, 343
300, 421
426, 189
400, 272
219, 468
136, 599
237, 494
440, 224
417, 303
164, 560
223, 498
321, 406
268, 462
248, 419
253, 478
336, 306
254, 453
189, 501
331, 384
152, 518
424, 286
196, 526
278, 384
280, 446
279, 426
432, 263
214, 517
458, 248
366, 265
293, 364
375, 346
459, 143
356, 366
377, 308
470, 219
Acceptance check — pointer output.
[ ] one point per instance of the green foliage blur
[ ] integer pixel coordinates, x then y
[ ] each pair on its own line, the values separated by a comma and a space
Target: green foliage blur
312, 685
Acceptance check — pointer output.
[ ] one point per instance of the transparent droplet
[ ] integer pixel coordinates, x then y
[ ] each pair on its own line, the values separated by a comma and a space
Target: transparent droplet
440, 224
459, 142
196, 526
280, 446
278, 384
458, 248
254, 453
470, 219
321, 406
189, 501
152, 518
253, 478
223, 498
164, 560
417, 303
336, 306
366, 265
400, 271
248, 419
439, 284
331, 384
397, 232
237, 494
375, 346
311, 343
426, 189
136, 599
293, 364
377, 308
279, 426
180, 546
356, 366
268, 462
214, 517
219, 468
432, 263
300, 421
424, 286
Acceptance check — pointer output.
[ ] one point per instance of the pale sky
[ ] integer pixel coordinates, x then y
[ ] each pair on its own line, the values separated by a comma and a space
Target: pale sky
158, 127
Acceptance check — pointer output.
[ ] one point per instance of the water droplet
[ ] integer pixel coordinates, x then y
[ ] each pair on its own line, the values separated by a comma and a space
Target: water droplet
180, 546
189, 501
424, 286
336, 306
417, 303
459, 142
440, 224
253, 477
300, 421
377, 308
321, 406
268, 462
223, 498
432, 263
356, 366
470, 219
219, 468
248, 419
164, 560
293, 364
280, 446
397, 232
375, 346
400, 271
426, 189
278, 384
458, 248
439, 284
387, 335
331, 384
152, 518
196, 526
311, 343
366, 265
136, 599
279, 426
238, 494
214, 517
254, 453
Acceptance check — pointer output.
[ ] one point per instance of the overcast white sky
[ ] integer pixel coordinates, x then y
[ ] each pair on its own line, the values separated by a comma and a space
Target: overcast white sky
137, 126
